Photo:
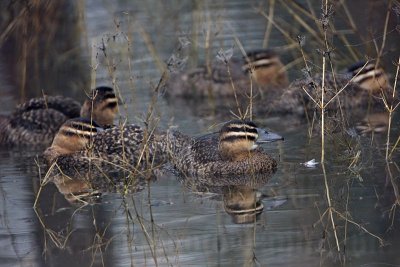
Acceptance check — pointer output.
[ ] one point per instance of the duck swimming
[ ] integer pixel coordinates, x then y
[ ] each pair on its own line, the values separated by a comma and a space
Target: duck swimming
36, 121
364, 85
265, 67
81, 146
232, 151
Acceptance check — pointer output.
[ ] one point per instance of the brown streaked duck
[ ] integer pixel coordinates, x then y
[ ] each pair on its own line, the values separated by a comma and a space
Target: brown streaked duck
233, 151
364, 85
81, 146
36, 121
265, 68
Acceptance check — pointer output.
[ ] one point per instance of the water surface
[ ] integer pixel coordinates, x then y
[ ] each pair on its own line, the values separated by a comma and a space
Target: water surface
168, 224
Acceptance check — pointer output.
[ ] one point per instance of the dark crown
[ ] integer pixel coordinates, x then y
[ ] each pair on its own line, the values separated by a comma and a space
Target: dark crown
259, 54
103, 92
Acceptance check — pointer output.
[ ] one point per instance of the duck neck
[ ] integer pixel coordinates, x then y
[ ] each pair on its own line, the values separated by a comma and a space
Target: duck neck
234, 155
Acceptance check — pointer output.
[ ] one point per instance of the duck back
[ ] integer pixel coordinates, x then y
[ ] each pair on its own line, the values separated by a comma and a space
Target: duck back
66, 105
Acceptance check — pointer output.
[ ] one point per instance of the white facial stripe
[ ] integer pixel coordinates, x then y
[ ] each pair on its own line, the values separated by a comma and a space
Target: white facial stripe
78, 132
240, 134
76, 123
111, 100
260, 62
367, 68
369, 74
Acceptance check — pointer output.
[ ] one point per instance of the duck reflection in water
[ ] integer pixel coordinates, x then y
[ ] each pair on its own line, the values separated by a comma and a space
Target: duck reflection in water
240, 194
242, 203
81, 191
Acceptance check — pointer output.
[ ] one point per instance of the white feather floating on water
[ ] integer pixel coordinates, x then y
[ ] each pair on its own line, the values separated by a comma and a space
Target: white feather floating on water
310, 164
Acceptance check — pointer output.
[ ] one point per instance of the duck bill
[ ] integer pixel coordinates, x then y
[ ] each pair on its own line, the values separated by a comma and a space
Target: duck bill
267, 137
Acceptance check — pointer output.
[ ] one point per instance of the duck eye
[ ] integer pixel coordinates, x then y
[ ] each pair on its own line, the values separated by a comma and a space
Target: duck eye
111, 105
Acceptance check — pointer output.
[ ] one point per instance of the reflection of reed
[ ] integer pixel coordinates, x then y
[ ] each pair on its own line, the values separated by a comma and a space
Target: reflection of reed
42, 43
74, 236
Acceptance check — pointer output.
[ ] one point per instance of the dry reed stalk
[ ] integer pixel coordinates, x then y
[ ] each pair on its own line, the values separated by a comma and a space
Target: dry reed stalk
396, 190
152, 50
380, 53
150, 241
93, 64
391, 109
325, 23
303, 23
268, 30
311, 15
285, 33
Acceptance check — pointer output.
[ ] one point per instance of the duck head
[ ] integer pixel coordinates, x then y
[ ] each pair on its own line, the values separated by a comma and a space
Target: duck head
102, 106
266, 68
74, 135
371, 77
237, 138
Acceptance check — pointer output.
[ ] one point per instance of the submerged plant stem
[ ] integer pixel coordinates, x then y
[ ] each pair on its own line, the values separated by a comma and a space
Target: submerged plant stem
330, 208
391, 109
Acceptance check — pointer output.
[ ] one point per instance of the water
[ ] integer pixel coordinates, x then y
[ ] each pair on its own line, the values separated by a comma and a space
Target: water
167, 223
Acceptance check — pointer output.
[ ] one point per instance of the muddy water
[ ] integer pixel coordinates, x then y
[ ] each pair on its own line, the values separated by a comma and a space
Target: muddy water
166, 223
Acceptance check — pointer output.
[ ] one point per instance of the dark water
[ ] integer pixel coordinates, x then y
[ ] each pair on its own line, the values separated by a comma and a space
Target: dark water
168, 224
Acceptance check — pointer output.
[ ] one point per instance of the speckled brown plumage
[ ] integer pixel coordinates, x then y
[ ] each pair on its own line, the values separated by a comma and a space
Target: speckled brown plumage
36, 121
66, 105
358, 94
200, 83
116, 148
131, 148
202, 156
217, 81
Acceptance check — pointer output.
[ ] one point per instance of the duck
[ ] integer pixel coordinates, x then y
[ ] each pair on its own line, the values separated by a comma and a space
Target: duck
364, 85
233, 151
81, 146
36, 121
264, 66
